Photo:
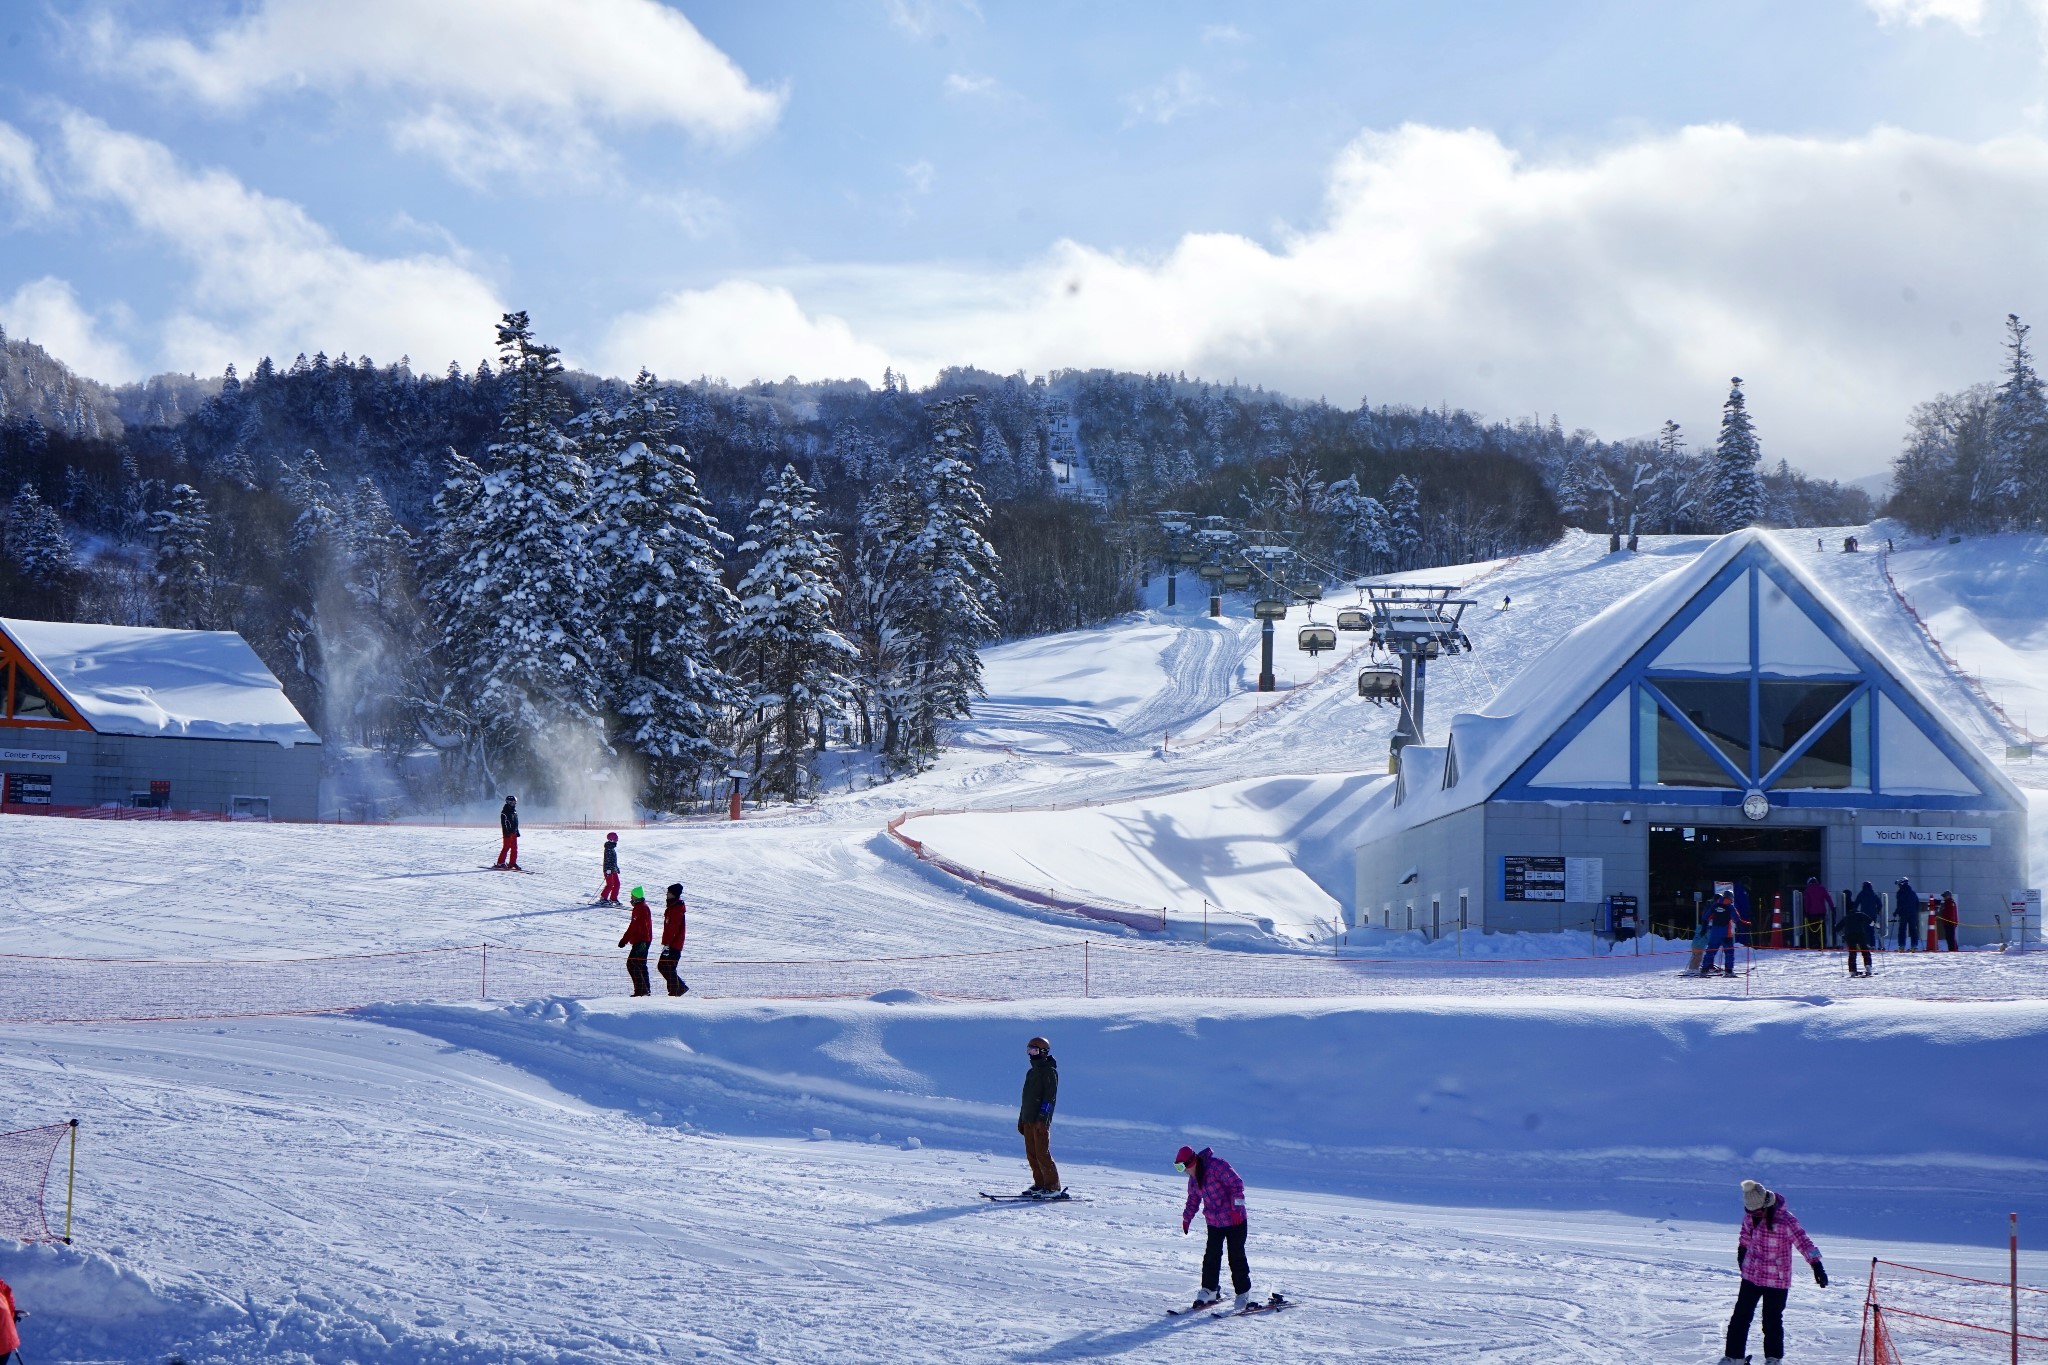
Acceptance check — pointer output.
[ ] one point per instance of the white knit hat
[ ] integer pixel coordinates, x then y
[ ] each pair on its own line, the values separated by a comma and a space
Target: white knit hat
1755, 1196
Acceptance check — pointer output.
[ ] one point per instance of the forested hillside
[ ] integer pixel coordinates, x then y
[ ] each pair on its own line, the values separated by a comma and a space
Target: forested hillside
543, 574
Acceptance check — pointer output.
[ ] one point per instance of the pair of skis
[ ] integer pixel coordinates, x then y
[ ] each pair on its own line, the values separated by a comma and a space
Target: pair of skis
1062, 1197
1272, 1305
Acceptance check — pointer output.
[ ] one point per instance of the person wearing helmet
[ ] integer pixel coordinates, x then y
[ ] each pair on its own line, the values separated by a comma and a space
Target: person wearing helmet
508, 826
1763, 1253
610, 894
639, 933
672, 931
1034, 1119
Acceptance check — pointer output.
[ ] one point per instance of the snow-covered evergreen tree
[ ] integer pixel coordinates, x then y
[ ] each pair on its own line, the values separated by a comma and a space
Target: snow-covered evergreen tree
932, 576
516, 630
184, 561
1738, 488
37, 549
2019, 432
659, 553
795, 663
1404, 518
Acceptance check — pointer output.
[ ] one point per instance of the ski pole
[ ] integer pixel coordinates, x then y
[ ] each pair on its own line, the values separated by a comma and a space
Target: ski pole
70, 1184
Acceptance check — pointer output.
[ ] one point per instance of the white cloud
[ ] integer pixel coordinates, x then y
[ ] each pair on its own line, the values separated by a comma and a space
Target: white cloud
486, 74
20, 178
742, 331
964, 86
920, 174
47, 312
923, 19
268, 280
1175, 97
1227, 35
1844, 279
1967, 15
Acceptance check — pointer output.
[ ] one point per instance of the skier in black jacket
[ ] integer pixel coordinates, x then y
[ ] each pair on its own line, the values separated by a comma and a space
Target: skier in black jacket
508, 825
1859, 927
1908, 904
1034, 1119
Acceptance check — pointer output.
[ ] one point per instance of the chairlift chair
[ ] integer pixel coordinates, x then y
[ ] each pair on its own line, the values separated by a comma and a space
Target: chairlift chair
1316, 638
1212, 571
1237, 578
1269, 609
1308, 592
1190, 556
1380, 685
1354, 618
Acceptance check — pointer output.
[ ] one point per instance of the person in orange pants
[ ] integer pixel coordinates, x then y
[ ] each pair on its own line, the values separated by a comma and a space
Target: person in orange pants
639, 933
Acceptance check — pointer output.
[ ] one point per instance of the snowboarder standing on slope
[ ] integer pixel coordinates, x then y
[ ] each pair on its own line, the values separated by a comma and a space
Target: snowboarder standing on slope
1215, 1189
1034, 1118
639, 933
672, 930
1764, 1254
610, 894
508, 825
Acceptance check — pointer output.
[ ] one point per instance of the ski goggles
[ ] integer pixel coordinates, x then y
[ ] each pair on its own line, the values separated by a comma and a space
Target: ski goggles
1183, 1167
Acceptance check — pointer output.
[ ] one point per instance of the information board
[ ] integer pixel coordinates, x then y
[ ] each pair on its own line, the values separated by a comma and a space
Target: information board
27, 789
1526, 877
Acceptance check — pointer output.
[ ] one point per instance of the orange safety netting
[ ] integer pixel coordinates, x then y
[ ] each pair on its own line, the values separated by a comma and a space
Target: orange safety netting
25, 1159
1913, 1315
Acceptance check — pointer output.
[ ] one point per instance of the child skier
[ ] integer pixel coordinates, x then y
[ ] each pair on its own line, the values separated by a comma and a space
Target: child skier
672, 930
1215, 1189
508, 825
1034, 1119
610, 894
1764, 1254
639, 933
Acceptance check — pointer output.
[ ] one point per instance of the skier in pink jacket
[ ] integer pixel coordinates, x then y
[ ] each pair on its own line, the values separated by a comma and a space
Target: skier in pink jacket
1215, 1189
1764, 1252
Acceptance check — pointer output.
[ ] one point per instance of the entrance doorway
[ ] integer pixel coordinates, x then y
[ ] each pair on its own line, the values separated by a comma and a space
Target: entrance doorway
1686, 861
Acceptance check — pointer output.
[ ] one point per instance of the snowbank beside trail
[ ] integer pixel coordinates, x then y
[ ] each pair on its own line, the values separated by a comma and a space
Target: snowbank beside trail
1274, 852
1982, 599
1647, 1104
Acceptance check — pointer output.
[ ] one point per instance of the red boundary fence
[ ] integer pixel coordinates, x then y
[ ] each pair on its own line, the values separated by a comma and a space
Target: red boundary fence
1132, 916
26, 1158
1912, 1314
2014, 730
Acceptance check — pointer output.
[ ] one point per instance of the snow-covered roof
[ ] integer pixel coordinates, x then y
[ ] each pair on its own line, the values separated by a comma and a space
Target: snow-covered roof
194, 684
1485, 748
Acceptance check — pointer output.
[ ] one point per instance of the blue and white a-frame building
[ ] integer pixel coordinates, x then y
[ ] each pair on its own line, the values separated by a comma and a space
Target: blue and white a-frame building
1725, 723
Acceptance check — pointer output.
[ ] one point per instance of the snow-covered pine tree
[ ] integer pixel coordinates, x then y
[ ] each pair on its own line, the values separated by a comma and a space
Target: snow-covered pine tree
516, 628
942, 586
2019, 434
184, 561
795, 664
659, 553
1404, 522
1738, 496
37, 548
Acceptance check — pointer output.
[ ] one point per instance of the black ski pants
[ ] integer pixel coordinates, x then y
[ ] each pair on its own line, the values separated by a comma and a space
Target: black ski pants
666, 965
1746, 1300
636, 967
1240, 1269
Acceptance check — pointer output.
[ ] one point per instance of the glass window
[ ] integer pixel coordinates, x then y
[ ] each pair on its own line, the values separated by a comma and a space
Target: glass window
29, 701
1720, 707
1840, 759
1785, 711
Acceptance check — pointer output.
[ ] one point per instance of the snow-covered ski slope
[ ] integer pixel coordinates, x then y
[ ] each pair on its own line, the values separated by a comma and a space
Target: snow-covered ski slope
1538, 1169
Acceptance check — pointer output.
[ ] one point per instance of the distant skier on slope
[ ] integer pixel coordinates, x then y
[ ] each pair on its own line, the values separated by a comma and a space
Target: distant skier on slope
1763, 1252
1034, 1118
672, 932
609, 895
1214, 1188
508, 826
639, 933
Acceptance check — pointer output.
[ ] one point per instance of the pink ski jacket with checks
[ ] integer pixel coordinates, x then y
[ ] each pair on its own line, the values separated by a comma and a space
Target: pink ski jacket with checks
1215, 1189
1767, 1251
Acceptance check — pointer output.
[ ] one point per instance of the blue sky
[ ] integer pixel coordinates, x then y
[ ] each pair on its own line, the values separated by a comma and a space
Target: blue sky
1597, 209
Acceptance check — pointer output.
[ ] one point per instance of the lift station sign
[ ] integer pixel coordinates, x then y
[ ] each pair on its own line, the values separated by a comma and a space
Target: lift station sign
1918, 836
1533, 877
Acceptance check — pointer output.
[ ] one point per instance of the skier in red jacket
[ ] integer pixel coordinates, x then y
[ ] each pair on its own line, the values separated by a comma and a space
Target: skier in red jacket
10, 1335
672, 930
639, 933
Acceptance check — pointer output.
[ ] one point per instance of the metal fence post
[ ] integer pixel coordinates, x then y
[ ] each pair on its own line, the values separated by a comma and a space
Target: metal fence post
1084, 969
71, 1184
483, 981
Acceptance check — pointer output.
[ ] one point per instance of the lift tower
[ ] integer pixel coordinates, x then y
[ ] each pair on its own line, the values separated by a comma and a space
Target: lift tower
1415, 622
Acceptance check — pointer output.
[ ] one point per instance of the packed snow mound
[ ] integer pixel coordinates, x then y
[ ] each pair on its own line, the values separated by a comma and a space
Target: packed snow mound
1982, 599
128, 680
1274, 853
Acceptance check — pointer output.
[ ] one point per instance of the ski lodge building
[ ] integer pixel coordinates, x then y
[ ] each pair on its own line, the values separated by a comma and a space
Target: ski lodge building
1723, 724
118, 716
